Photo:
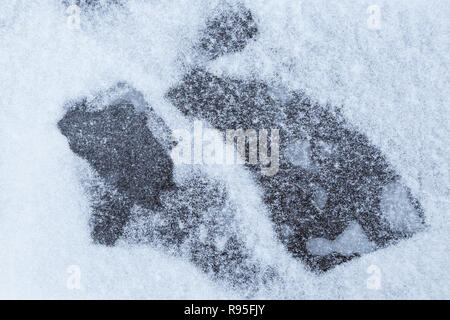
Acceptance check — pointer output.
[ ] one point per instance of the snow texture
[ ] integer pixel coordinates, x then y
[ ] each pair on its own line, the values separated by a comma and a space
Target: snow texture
93, 204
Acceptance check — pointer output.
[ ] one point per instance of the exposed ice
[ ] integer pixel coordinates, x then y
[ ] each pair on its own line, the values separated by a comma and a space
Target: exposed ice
390, 85
329, 174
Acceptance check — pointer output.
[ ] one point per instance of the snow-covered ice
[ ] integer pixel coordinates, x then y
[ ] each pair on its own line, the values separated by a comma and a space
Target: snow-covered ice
389, 80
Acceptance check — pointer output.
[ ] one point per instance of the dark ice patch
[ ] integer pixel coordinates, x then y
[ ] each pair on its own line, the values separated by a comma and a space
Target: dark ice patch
117, 143
338, 176
134, 197
228, 32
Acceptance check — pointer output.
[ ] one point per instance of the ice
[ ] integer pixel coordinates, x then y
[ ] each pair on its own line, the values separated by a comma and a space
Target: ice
228, 32
391, 84
329, 174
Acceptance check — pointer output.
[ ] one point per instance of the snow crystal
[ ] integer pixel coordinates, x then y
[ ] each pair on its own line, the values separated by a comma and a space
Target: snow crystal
360, 107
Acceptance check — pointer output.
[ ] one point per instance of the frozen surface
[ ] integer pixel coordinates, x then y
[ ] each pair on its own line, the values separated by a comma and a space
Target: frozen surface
392, 84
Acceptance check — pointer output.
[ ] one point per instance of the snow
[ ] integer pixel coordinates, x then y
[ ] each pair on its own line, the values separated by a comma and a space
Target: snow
392, 84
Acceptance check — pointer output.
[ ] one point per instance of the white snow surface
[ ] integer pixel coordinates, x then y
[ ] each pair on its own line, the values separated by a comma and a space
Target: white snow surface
352, 240
392, 83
